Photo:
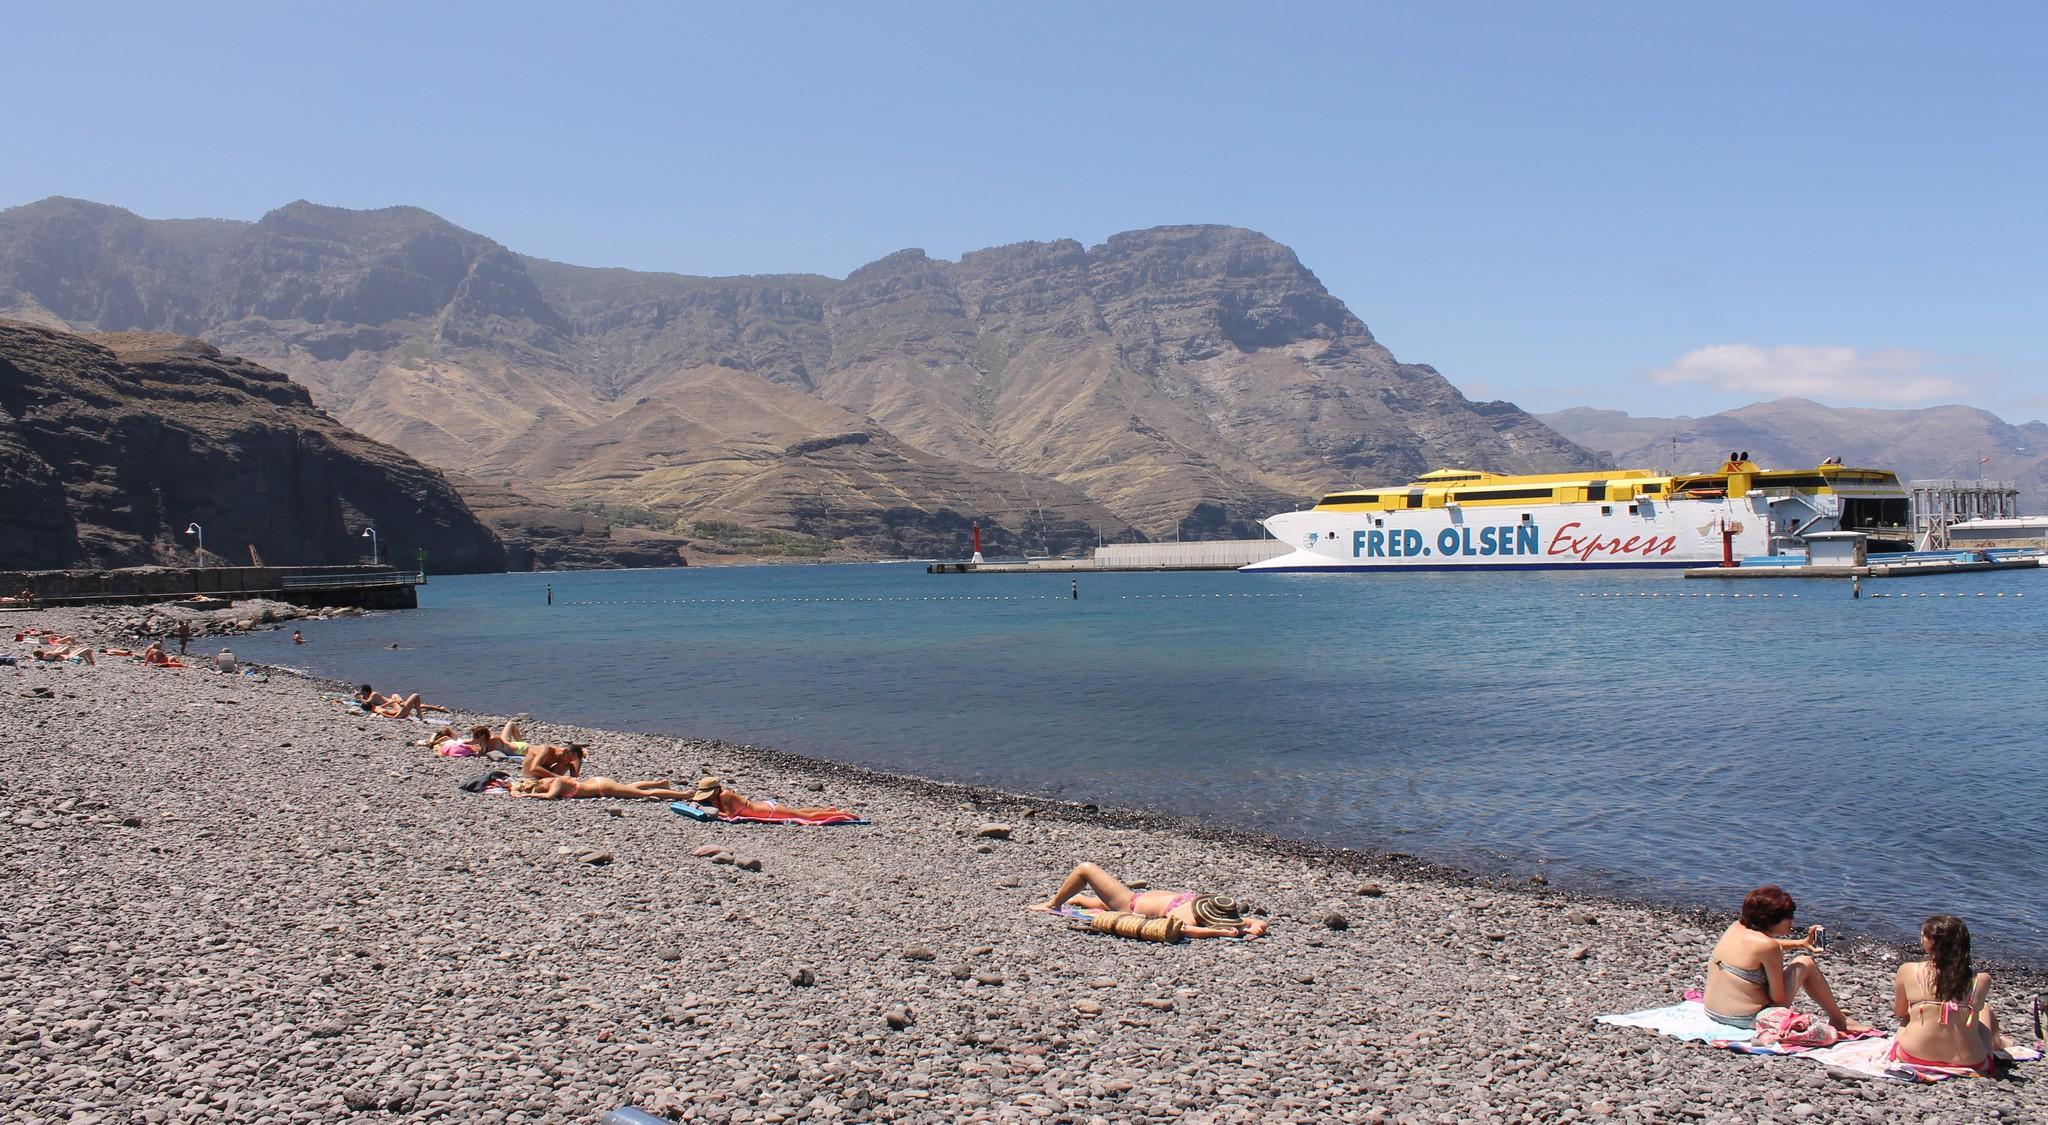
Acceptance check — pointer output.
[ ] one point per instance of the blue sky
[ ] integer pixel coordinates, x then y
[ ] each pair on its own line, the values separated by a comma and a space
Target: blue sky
1661, 208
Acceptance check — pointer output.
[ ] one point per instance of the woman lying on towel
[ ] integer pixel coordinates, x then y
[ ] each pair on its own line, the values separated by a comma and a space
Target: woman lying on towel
563, 788
1200, 915
393, 706
1749, 970
1943, 1005
76, 654
712, 794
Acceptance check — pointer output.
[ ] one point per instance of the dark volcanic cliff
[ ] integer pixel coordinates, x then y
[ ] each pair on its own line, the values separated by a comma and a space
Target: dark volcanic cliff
111, 446
1190, 375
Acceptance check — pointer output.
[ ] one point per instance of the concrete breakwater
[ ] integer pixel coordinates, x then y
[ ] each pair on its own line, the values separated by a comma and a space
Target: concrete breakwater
365, 587
232, 904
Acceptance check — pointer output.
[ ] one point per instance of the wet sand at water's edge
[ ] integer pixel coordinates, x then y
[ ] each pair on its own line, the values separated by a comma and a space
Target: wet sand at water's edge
232, 900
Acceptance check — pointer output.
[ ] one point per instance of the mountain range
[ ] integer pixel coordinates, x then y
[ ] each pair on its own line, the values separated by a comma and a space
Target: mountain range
1931, 442
1184, 379
111, 448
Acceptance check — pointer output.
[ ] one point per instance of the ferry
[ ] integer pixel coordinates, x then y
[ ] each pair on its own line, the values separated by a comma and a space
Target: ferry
1462, 519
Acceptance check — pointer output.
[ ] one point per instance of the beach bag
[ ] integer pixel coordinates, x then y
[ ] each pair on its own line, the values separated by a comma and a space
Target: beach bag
1124, 924
1783, 1027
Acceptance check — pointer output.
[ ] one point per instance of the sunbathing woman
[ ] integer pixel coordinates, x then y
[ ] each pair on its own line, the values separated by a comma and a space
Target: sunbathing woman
562, 788
392, 706
80, 654
1943, 1005
712, 794
1748, 970
1200, 915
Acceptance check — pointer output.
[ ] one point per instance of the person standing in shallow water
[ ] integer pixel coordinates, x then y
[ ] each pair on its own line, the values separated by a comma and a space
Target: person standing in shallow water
184, 636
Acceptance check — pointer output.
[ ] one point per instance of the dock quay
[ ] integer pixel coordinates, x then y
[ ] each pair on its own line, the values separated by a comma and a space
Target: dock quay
1917, 564
1216, 554
320, 587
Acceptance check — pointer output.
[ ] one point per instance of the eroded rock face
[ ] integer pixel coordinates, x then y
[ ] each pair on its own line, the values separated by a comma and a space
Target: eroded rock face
111, 446
1174, 373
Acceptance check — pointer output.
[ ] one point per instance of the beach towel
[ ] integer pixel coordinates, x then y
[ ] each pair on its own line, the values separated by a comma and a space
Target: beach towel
496, 781
700, 812
1687, 1020
1863, 1056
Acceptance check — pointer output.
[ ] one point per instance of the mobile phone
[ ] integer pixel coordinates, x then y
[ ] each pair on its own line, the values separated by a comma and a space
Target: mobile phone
1818, 935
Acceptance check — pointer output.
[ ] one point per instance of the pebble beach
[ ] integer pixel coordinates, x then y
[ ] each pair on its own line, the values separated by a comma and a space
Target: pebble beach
232, 899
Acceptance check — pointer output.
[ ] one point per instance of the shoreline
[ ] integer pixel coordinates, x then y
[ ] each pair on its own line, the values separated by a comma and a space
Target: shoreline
1460, 994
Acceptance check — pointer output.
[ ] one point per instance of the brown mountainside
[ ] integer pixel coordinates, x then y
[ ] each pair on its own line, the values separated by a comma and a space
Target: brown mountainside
1935, 441
1196, 374
111, 446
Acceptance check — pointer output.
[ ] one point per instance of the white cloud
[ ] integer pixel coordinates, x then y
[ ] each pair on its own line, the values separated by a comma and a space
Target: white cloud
1839, 375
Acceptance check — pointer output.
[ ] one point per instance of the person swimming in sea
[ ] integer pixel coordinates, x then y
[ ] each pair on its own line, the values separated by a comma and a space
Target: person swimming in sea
1200, 915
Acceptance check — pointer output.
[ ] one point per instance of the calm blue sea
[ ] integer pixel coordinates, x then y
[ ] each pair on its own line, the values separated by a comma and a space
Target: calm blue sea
1620, 733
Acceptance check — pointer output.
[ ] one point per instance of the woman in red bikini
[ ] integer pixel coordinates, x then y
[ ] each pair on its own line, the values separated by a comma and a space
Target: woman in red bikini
1200, 915
1943, 1005
712, 794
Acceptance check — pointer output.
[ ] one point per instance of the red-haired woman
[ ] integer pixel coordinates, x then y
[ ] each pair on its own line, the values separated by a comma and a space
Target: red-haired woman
1749, 970
1943, 1005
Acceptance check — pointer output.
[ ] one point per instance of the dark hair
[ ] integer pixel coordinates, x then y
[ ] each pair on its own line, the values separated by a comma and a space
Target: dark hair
582, 748
1766, 906
1948, 947
482, 735
365, 690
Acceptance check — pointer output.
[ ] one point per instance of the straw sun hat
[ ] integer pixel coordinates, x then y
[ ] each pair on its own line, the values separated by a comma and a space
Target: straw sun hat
707, 788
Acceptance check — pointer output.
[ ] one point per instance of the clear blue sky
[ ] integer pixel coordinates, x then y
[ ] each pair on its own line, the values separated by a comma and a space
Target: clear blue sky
1552, 203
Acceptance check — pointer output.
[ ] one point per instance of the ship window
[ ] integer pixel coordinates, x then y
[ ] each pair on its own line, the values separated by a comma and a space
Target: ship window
1526, 517
1504, 494
1415, 498
1597, 491
1608, 511
1379, 523
1654, 486
1631, 509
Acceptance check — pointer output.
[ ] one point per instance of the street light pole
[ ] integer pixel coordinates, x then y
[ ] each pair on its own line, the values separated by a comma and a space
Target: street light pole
199, 533
370, 533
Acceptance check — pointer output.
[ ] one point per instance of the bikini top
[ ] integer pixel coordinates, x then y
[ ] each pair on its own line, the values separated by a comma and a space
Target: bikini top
1949, 1008
1755, 976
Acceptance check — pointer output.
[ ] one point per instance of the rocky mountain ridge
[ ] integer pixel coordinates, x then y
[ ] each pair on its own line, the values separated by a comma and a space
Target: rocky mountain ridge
1192, 377
110, 447
1961, 442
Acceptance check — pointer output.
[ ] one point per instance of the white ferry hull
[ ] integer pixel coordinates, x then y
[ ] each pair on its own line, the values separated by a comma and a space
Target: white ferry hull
1649, 533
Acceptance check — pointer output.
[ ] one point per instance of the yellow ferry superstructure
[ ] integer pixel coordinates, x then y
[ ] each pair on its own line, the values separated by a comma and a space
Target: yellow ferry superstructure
1463, 519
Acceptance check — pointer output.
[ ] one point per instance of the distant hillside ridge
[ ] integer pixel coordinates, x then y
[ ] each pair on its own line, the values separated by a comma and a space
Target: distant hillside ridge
1960, 442
1188, 379
111, 447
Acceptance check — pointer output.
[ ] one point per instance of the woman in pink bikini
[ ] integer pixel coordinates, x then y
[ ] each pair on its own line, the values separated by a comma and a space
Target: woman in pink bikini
1943, 1004
1200, 915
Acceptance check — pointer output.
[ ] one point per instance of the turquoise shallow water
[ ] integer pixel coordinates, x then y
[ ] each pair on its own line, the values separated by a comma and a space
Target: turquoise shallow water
1877, 757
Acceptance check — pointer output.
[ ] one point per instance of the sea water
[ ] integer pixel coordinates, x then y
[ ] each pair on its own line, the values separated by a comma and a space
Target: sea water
1633, 734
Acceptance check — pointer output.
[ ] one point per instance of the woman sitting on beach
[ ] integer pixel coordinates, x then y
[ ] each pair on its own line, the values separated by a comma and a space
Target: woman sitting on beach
1943, 1005
712, 794
392, 706
1200, 915
1748, 970
562, 788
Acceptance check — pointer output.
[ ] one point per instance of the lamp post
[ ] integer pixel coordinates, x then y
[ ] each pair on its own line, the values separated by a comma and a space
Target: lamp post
370, 533
198, 533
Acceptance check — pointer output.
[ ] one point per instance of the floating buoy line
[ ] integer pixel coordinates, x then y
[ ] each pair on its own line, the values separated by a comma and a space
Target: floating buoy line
921, 598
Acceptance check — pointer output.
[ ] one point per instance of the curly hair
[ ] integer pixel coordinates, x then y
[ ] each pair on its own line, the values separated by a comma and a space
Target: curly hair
1948, 947
1766, 906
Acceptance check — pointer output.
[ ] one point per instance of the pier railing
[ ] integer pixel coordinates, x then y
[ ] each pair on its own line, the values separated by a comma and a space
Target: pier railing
353, 581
